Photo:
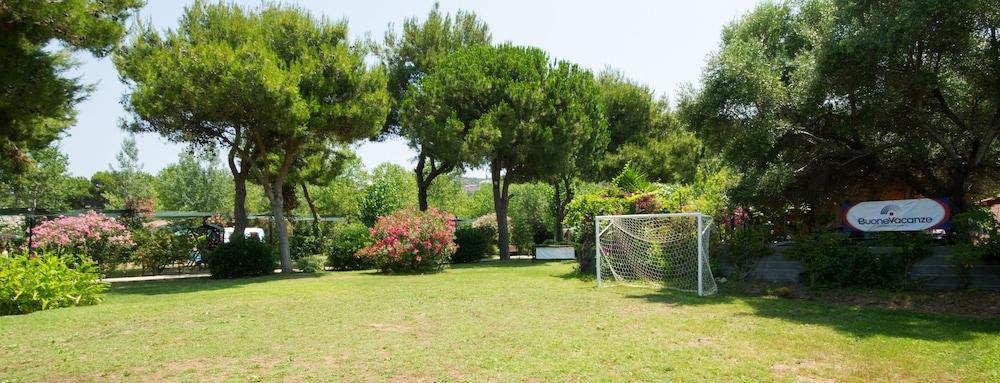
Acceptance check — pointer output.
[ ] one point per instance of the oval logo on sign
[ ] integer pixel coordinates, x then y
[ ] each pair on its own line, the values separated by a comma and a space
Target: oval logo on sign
898, 215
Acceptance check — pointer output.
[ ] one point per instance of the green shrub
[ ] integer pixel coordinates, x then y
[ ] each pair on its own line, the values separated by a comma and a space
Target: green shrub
976, 234
378, 200
35, 283
907, 249
241, 257
306, 245
830, 260
345, 242
155, 250
741, 247
310, 264
472, 244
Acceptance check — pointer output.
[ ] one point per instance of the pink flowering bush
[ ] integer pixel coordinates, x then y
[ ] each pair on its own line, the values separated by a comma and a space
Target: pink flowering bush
740, 243
411, 241
94, 235
645, 203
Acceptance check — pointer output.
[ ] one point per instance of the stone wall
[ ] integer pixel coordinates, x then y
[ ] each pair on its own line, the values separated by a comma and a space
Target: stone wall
933, 272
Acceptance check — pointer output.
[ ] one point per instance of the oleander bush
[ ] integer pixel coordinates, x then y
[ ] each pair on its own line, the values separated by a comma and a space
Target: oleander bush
472, 243
30, 283
411, 241
345, 242
740, 242
94, 235
241, 257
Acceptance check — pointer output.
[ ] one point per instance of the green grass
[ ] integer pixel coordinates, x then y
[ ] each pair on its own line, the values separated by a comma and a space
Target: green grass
488, 322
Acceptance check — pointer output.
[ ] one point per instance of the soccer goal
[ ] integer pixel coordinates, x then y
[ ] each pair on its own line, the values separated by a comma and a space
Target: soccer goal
661, 250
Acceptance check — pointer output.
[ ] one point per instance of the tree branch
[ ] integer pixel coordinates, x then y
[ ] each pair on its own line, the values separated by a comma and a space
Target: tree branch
948, 147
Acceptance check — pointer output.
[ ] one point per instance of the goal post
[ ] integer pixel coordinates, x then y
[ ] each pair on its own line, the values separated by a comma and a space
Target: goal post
667, 250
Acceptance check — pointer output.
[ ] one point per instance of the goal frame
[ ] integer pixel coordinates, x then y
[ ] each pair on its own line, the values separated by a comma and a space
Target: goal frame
598, 230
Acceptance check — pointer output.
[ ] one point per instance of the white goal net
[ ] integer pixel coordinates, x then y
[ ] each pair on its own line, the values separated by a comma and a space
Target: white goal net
657, 250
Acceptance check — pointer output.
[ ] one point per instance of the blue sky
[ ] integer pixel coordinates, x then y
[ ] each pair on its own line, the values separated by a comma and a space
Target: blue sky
663, 44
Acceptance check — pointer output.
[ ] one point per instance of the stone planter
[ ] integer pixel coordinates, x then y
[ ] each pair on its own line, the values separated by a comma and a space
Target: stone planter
545, 253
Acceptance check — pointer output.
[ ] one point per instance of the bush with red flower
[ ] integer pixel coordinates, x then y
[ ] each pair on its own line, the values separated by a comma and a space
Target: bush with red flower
94, 235
411, 241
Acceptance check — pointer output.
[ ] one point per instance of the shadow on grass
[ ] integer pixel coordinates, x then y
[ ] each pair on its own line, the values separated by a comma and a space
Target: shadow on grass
860, 322
498, 263
179, 286
485, 264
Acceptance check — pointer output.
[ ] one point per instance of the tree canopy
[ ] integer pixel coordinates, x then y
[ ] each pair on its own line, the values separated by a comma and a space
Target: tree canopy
36, 99
282, 80
507, 107
813, 100
409, 58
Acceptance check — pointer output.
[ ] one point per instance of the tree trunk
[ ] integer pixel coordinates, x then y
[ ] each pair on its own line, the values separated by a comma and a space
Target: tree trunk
426, 179
275, 193
422, 186
240, 173
557, 212
956, 192
240, 220
501, 199
312, 208
278, 211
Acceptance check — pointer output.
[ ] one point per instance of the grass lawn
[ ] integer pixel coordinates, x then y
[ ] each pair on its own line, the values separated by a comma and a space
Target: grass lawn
513, 321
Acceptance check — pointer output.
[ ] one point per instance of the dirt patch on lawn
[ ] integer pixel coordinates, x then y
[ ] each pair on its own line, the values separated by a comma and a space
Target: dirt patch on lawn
802, 370
972, 303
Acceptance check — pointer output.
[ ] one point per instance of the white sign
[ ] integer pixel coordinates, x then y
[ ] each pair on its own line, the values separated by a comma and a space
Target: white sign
898, 215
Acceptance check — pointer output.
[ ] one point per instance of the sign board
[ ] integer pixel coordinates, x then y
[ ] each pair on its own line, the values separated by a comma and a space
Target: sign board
898, 215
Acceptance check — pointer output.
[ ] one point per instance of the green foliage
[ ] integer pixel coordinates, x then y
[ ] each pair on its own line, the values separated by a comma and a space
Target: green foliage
530, 214
311, 263
813, 100
391, 188
306, 245
830, 260
30, 283
509, 107
409, 58
908, 248
673, 158
741, 246
976, 234
300, 82
379, 200
131, 184
341, 196
241, 257
630, 109
708, 194
194, 184
643, 132
413, 54
155, 250
632, 180
45, 183
480, 202
446, 193
346, 241
473, 242
36, 99
580, 213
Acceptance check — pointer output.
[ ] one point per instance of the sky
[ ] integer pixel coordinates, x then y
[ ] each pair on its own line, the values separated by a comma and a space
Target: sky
663, 44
